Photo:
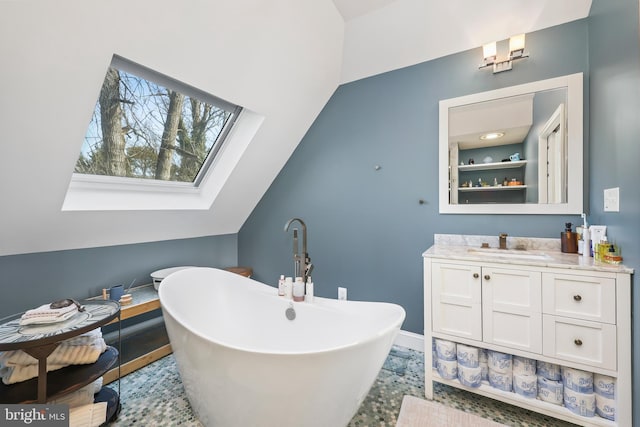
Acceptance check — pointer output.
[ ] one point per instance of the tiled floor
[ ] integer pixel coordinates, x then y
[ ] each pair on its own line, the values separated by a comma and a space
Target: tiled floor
154, 396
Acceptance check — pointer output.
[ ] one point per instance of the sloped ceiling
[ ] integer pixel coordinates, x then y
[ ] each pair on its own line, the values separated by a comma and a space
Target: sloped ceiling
383, 35
282, 59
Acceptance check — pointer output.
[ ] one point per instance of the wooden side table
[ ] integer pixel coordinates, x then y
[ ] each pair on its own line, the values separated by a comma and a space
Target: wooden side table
39, 341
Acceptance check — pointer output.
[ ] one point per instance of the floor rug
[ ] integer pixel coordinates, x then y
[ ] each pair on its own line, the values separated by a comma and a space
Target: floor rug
397, 361
416, 412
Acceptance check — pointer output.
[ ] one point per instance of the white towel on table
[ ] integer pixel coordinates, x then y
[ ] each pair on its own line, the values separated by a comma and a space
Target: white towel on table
88, 415
74, 351
80, 397
63, 356
46, 314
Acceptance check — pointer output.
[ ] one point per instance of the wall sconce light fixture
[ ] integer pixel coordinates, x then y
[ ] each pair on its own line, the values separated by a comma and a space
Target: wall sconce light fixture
516, 51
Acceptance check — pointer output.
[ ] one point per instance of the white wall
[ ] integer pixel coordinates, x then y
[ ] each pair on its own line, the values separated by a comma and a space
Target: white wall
281, 59
408, 32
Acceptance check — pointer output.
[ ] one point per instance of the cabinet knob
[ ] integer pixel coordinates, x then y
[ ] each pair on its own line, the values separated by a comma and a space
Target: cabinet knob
476, 275
577, 298
487, 277
577, 341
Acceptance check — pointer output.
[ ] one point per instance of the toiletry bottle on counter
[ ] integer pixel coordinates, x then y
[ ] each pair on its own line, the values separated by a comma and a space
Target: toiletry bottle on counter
597, 234
298, 289
309, 290
600, 249
586, 240
580, 241
281, 285
568, 240
288, 288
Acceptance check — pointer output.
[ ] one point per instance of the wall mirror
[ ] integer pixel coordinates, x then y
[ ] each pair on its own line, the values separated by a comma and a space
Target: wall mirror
515, 150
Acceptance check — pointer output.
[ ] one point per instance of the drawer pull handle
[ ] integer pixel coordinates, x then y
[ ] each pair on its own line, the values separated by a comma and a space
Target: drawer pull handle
577, 298
487, 277
476, 275
577, 341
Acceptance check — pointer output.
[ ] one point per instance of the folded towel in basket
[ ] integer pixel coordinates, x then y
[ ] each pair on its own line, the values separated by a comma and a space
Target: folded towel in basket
46, 314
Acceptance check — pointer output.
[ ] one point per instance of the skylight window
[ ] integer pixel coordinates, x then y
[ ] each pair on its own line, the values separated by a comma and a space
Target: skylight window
148, 126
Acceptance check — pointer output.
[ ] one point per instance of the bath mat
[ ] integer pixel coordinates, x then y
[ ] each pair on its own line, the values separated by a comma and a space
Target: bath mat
397, 361
416, 412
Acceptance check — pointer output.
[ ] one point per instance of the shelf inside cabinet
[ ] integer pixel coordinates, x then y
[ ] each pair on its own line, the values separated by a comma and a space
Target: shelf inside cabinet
557, 411
492, 166
493, 188
61, 381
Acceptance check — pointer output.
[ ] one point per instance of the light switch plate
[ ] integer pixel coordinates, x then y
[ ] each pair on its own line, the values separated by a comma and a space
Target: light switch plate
612, 199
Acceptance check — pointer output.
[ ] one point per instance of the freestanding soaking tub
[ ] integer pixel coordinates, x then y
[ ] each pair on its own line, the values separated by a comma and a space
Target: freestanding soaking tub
244, 363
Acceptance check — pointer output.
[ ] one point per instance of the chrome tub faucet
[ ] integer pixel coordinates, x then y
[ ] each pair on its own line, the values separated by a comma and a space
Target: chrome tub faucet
302, 261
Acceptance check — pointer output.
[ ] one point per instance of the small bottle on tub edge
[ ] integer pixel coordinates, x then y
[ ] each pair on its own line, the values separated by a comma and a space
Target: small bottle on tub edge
309, 290
281, 285
288, 288
298, 289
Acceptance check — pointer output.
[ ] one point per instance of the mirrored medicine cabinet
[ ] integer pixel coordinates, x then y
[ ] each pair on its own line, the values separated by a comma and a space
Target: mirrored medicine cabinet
515, 150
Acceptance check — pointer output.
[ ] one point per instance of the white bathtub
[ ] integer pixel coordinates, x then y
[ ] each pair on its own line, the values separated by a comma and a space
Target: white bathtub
243, 363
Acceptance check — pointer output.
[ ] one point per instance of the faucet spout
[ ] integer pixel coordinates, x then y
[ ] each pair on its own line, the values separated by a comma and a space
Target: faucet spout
302, 260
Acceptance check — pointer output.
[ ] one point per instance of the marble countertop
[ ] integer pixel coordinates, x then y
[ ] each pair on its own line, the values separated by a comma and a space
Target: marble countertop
520, 251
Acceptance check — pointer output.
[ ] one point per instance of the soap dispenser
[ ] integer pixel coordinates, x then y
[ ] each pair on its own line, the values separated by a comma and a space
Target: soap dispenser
568, 240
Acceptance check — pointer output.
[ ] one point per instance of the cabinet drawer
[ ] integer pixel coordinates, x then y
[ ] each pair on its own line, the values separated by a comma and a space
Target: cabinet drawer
579, 341
579, 297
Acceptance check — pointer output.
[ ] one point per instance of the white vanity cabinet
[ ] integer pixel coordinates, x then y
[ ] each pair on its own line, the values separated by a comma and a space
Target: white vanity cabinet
566, 312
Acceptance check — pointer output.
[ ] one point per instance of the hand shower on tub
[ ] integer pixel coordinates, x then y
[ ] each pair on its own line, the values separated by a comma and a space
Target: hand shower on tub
302, 261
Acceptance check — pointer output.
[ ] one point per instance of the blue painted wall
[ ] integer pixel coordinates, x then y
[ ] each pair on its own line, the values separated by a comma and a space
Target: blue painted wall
33, 279
367, 230
614, 59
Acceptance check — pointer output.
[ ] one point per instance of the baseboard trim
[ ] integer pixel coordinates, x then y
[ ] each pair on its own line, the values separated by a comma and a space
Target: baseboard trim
410, 340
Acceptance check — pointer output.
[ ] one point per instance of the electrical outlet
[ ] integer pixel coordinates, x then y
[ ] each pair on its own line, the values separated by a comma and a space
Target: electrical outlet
342, 294
612, 199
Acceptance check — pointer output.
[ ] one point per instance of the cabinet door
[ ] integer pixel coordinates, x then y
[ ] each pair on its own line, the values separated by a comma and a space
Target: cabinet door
456, 293
512, 313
